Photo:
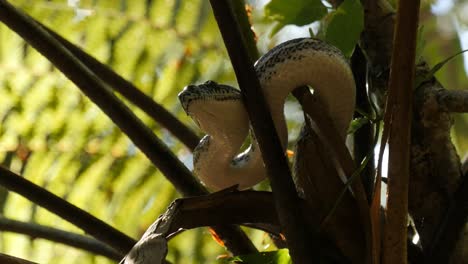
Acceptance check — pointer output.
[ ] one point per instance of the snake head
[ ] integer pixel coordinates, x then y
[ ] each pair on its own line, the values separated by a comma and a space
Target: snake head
188, 94
209, 90
211, 105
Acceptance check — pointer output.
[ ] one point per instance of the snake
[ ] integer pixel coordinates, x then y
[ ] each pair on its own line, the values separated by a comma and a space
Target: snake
219, 111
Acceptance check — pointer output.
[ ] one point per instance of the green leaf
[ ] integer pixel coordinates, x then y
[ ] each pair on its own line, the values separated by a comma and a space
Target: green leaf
441, 64
345, 25
272, 257
296, 12
356, 124
420, 79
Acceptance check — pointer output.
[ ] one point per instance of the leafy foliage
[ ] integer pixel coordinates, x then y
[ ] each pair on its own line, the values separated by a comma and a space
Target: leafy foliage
356, 124
272, 257
297, 12
436, 68
345, 25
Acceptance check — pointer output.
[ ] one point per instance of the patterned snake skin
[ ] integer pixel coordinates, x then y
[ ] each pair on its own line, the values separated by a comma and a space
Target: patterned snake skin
218, 109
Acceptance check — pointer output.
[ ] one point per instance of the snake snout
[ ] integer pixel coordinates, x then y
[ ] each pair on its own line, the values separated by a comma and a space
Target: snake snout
188, 94
208, 91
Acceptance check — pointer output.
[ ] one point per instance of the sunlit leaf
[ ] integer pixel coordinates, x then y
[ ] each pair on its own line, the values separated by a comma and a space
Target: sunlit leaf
356, 124
295, 12
345, 25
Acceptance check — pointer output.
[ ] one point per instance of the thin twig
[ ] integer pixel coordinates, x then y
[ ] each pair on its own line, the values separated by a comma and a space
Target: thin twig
235, 240
286, 199
365, 161
376, 42
363, 137
66, 210
401, 90
57, 235
363, 143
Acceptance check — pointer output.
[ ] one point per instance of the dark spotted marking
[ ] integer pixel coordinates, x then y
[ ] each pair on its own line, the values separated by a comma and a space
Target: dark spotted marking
290, 50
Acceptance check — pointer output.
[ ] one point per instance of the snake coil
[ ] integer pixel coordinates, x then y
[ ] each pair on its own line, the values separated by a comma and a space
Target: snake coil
218, 109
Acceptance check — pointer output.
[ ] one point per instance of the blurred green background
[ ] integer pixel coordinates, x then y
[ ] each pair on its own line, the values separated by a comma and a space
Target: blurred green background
54, 136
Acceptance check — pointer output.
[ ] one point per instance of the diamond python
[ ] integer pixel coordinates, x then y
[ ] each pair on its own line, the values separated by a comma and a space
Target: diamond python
219, 111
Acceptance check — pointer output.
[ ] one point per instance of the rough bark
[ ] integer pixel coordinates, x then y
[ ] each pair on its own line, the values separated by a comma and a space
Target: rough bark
435, 170
313, 171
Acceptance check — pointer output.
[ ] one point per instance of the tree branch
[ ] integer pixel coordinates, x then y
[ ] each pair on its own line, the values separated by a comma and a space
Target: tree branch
243, 19
6, 259
328, 134
227, 206
399, 108
286, 199
60, 236
435, 167
454, 101
100, 94
232, 207
451, 226
130, 92
90, 224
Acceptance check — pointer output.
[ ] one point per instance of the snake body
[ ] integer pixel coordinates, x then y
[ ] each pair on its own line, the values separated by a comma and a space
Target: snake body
219, 111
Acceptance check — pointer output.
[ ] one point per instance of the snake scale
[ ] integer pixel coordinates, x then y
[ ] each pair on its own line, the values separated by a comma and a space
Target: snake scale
219, 111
